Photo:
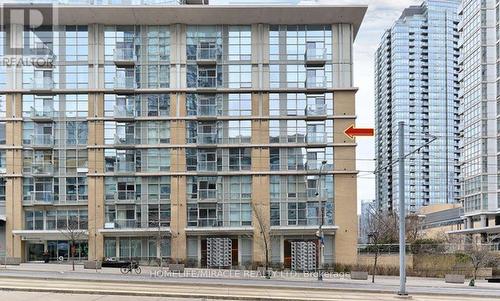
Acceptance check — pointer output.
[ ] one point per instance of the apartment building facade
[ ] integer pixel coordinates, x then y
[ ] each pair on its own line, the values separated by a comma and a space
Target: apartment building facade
479, 93
416, 81
182, 131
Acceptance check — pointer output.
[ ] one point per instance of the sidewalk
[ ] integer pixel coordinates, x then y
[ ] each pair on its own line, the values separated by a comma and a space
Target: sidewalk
250, 278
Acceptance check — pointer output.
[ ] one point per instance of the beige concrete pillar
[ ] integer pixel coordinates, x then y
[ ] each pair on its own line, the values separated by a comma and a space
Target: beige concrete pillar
13, 178
345, 199
346, 219
179, 217
95, 204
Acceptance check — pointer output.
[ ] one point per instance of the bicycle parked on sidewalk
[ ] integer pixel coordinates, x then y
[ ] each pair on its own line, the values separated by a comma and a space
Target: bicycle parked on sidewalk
133, 266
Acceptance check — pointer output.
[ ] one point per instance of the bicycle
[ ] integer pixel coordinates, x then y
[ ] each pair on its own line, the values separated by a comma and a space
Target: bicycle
133, 266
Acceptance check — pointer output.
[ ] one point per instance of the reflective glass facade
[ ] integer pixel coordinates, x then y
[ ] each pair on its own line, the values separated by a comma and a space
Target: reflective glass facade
416, 81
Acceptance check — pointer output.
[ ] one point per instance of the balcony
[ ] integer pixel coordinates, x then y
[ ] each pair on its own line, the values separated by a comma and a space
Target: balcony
127, 224
207, 195
44, 115
316, 138
42, 141
207, 111
206, 166
124, 197
124, 113
315, 56
3, 169
40, 85
124, 57
125, 84
206, 139
207, 83
124, 167
316, 84
42, 198
317, 111
206, 56
42, 168
129, 141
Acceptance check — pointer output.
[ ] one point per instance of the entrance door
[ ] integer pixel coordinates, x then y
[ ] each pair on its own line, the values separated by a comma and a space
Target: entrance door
35, 251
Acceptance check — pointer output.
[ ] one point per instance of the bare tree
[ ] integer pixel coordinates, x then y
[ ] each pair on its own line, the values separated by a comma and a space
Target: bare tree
413, 228
73, 233
479, 255
161, 236
383, 230
265, 232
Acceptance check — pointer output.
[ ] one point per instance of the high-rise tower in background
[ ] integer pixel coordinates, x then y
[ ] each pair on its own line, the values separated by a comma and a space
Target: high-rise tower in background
416, 81
480, 124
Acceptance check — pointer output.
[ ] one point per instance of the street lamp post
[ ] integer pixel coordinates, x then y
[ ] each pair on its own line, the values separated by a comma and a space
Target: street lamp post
319, 234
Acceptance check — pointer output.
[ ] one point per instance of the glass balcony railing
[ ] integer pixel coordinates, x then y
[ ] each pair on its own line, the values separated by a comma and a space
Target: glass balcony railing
125, 167
125, 196
125, 83
45, 113
315, 110
318, 82
42, 140
42, 197
204, 138
206, 54
124, 55
209, 222
42, 168
210, 82
316, 138
207, 110
46, 83
125, 140
207, 194
3, 169
127, 223
124, 112
315, 55
207, 166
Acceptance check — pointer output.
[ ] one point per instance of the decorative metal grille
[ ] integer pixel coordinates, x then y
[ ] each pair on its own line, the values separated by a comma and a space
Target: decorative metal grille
303, 255
219, 252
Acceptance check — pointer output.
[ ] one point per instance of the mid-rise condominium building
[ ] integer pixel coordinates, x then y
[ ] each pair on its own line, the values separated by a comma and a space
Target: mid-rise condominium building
416, 81
187, 131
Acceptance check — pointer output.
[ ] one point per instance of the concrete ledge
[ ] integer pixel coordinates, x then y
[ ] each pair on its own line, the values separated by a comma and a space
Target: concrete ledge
10, 260
176, 267
92, 265
454, 278
355, 275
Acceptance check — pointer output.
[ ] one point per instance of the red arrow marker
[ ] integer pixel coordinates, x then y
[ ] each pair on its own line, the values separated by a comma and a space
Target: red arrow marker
351, 132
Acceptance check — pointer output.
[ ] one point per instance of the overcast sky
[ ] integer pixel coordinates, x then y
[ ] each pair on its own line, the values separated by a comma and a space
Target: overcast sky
380, 16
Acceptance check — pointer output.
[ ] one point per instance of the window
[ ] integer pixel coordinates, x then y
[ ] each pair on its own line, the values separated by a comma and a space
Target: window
240, 43
240, 159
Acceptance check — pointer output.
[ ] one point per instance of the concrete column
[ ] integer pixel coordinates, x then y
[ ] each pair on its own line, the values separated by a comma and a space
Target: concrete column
346, 219
484, 220
179, 217
345, 201
13, 177
342, 39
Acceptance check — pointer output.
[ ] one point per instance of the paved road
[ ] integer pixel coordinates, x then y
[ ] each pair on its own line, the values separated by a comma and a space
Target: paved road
73, 290
30, 296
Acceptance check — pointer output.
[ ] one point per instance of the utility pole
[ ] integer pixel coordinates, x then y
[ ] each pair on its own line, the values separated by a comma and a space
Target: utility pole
319, 234
402, 210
